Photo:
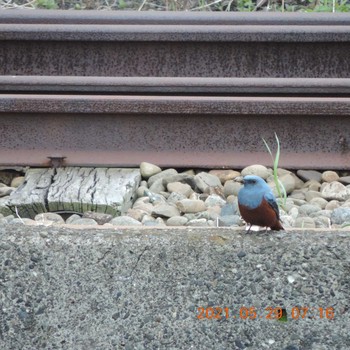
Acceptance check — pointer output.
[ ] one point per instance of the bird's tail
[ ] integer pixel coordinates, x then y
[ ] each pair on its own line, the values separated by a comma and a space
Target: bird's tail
278, 226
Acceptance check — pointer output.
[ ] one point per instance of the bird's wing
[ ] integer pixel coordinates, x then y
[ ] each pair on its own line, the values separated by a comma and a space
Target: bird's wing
270, 198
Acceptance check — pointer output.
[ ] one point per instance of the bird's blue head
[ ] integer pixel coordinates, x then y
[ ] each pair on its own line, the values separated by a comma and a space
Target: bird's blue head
254, 190
255, 182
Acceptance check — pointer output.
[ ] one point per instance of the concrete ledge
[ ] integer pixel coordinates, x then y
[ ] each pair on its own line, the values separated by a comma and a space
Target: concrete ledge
141, 289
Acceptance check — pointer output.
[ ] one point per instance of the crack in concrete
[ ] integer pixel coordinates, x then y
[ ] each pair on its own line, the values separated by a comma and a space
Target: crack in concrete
104, 255
331, 251
138, 260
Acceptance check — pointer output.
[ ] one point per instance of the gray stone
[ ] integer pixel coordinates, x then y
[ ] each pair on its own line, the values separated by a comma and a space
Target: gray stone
299, 202
147, 218
322, 222
20, 221
231, 198
189, 172
345, 180
346, 204
204, 181
287, 221
108, 190
196, 196
136, 213
6, 191
161, 175
190, 216
230, 209
321, 202
201, 215
308, 175
100, 218
191, 206
232, 188
165, 210
177, 221
309, 195
49, 217
197, 223
312, 185
340, 216
165, 194
155, 198
225, 174
144, 206
211, 223
72, 218
298, 194
288, 204
281, 171
142, 200
323, 212
147, 170
9, 217
230, 220
175, 197
330, 176
335, 190
125, 221
241, 254
84, 221
158, 222
304, 222
333, 204
157, 186
256, 169
307, 209
299, 183
17, 181
6, 177
179, 187
140, 192
29, 222
288, 183
214, 200
213, 212
183, 178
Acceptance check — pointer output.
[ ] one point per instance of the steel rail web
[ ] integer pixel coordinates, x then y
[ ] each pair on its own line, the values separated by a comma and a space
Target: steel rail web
177, 89
176, 85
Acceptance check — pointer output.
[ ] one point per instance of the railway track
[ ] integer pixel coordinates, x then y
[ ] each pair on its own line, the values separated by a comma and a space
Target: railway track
175, 89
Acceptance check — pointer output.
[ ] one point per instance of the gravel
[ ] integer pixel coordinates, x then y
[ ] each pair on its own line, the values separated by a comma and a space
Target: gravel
209, 198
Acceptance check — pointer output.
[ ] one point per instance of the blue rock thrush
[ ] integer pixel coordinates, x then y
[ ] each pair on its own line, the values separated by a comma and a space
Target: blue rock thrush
257, 204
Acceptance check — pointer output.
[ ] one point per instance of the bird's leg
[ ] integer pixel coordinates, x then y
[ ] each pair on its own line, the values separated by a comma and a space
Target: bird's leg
249, 228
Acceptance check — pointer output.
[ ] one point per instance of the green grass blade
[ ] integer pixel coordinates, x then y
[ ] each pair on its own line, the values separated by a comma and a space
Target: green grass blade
279, 186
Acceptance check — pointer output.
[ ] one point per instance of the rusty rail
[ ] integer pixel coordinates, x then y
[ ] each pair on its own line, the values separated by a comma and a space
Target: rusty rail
177, 85
176, 89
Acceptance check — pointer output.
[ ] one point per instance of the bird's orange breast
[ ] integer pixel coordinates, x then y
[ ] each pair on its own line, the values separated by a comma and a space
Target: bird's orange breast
263, 215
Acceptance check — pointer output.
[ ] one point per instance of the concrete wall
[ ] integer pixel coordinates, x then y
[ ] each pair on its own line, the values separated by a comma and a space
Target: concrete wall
141, 289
